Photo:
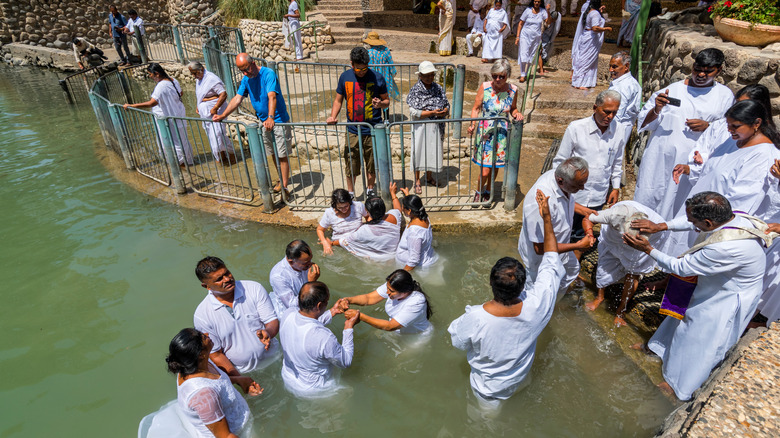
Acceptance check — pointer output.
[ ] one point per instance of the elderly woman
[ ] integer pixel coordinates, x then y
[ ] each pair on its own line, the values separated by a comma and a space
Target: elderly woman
406, 305
415, 249
206, 395
446, 23
497, 98
210, 97
585, 60
427, 100
343, 216
166, 102
378, 238
381, 60
529, 34
496, 28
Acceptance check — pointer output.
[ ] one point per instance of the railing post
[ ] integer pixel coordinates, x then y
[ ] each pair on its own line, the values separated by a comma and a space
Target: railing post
457, 98
240, 41
64, 86
257, 152
179, 47
170, 155
229, 80
382, 156
275, 68
512, 165
138, 40
121, 135
125, 86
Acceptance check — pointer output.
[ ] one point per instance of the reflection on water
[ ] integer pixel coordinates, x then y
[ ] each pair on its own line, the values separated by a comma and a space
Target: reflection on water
100, 277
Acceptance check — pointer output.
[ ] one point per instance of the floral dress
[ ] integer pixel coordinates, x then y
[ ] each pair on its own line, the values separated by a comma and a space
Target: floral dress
493, 105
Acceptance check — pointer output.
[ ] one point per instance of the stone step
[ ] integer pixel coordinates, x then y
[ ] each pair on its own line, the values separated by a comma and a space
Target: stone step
551, 116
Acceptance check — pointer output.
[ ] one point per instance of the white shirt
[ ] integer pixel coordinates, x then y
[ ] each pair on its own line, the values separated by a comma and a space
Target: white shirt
286, 284
416, 247
342, 226
236, 334
310, 350
630, 98
411, 312
603, 152
291, 10
375, 241
500, 350
561, 211
168, 97
132, 24
726, 296
712, 137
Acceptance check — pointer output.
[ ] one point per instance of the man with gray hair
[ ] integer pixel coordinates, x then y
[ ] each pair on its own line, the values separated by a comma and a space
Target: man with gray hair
629, 89
600, 141
568, 178
713, 290
210, 98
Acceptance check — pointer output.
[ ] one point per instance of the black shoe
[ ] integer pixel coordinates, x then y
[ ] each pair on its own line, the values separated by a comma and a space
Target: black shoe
476, 200
486, 198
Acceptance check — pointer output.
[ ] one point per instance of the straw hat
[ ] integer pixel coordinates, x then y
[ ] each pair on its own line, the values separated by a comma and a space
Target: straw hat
373, 40
425, 68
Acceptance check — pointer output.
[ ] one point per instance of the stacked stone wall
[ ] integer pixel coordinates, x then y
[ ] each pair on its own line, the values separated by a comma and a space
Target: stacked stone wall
264, 39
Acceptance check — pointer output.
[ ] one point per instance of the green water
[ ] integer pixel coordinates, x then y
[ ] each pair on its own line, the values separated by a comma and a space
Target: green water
101, 277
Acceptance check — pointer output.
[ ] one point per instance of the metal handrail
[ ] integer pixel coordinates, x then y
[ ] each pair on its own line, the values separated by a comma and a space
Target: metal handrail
314, 25
532, 75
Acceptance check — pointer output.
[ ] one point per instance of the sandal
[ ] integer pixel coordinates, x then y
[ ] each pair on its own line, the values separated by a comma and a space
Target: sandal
277, 187
417, 188
476, 199
432, 182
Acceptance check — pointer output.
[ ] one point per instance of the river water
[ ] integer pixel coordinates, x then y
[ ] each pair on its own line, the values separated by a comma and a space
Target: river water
101, 277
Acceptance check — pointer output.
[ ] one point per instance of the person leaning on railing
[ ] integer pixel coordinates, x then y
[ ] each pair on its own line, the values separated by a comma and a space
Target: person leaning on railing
86, 54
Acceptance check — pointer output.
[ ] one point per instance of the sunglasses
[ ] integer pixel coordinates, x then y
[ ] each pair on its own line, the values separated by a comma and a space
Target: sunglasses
245, 69
359, 70
499, 76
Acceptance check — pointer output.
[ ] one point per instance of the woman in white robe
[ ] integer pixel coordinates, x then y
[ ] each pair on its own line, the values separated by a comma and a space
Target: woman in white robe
496, 29
211, 97
378, 238
529, 34
166, 102
446, 24
585, 62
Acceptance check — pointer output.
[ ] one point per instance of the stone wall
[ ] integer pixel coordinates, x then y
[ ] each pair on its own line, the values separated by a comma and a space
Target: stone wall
264, 39
54, 23
674, 40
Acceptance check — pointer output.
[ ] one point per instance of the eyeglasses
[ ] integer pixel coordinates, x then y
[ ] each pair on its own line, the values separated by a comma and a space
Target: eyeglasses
496, 77
360, 70
245, 69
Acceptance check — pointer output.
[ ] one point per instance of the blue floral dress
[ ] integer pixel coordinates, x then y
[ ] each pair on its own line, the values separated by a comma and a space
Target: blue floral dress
493, 105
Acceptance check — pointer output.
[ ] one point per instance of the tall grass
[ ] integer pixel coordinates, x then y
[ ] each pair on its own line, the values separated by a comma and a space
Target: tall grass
265, 10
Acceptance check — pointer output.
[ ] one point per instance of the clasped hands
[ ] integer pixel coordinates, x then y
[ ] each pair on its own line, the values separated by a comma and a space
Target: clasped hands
343, 307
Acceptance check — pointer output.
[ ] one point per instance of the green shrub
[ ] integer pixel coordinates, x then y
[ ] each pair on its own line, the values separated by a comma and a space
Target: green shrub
752, 11
264, 10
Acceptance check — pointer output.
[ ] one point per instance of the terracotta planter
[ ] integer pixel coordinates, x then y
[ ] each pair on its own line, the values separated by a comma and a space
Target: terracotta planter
746, 34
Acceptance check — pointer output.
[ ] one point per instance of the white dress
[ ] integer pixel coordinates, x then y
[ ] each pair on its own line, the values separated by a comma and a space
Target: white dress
344, 225
493, 42
585, 64
205, 401
500, 350
426, 150
212, 86
671, 141
715, 135
729, 286
530, 37
415, 248
310, 352
375, 241
169, 104
411, 312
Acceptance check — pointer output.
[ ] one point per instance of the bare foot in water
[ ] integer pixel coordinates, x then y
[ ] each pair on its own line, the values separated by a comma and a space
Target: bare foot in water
666, 389
620, 322
593, 305
642, 346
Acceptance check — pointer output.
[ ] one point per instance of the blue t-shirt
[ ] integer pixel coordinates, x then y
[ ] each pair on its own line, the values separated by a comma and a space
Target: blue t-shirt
358, 94
257, 89
115, 21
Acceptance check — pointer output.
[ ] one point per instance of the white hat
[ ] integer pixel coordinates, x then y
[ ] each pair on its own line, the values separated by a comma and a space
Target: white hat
425, 68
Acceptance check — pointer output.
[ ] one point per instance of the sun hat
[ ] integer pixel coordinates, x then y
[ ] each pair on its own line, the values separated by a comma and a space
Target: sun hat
373, 40
425, 68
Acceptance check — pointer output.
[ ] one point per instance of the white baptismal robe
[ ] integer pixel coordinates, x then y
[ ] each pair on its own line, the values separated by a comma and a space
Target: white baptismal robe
500, 350
729, 286
671, 142
630, 99
562, 213
168, 96
310, 351
286, 284
493, 41
712, 137
375, 241
603, 152
212, 86
741, 175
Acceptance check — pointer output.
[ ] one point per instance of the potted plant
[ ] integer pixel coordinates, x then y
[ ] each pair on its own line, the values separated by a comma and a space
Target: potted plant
747, 22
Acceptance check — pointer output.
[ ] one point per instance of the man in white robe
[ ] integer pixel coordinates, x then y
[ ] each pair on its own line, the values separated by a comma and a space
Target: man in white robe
475, 7
730, 269
499, 336
559, 185
628, 87
310, 349
675, 129
599, 139
239, 318
210, 98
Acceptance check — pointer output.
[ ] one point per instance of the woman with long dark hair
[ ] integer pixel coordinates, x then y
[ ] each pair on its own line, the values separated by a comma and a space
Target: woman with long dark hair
585, 61
166, 102
407, 305
344, 216
416, 245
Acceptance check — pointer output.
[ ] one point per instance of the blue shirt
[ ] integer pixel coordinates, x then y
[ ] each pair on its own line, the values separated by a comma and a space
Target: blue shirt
116, 21
257, 89
358, 95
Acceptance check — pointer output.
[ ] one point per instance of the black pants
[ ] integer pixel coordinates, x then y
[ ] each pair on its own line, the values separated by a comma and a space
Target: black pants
120, 42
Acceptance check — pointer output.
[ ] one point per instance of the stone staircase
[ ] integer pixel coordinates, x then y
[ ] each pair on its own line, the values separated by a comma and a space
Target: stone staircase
346, 22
